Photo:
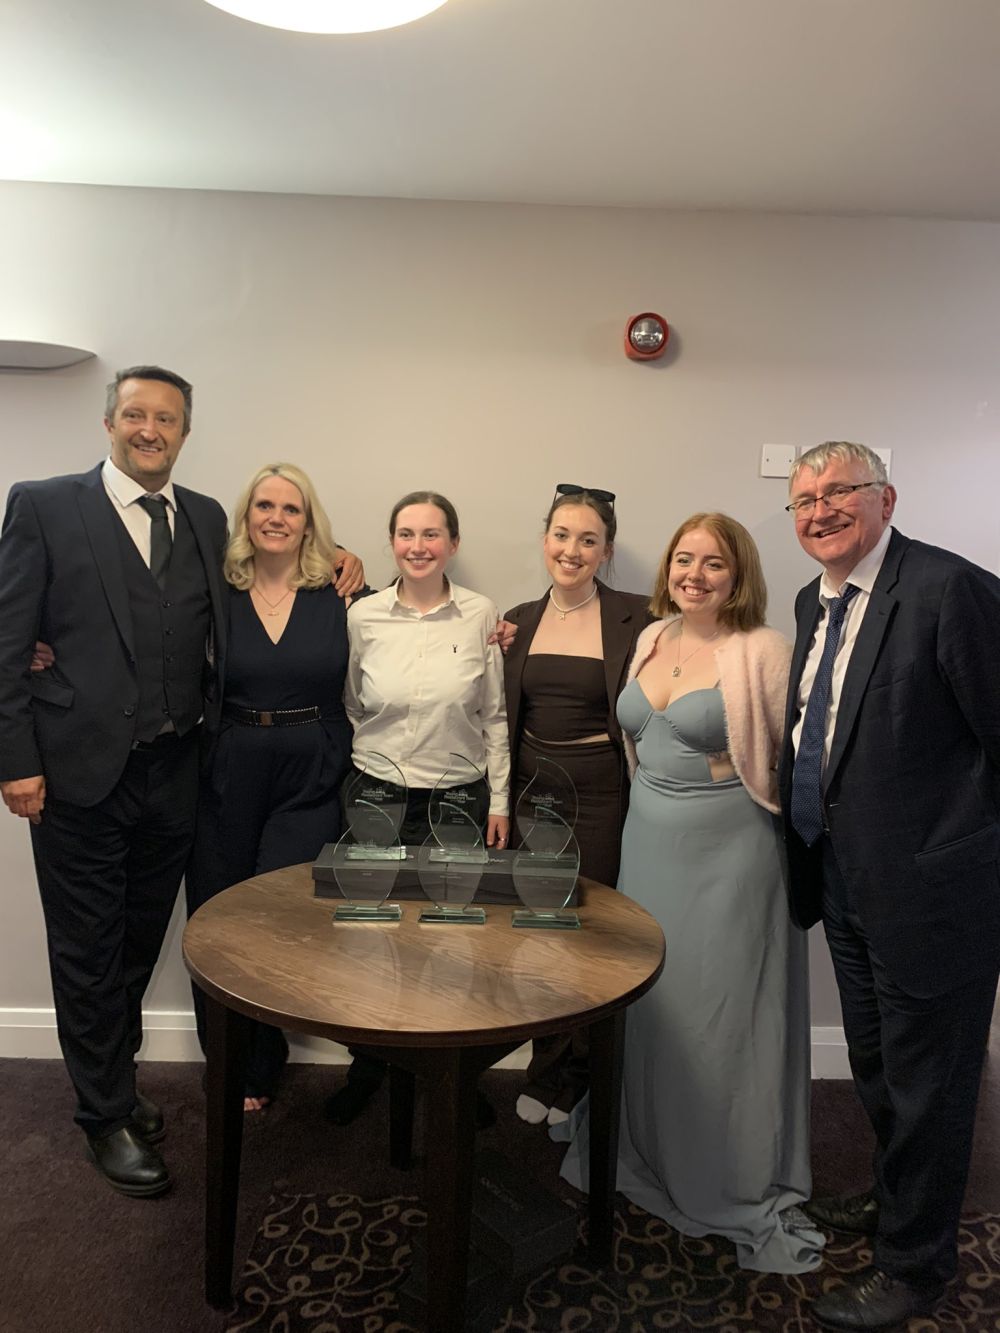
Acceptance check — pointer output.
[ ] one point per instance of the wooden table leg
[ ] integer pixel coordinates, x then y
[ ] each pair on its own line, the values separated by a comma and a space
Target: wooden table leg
227, 1045
449, 1134
401, 1101
607, 1046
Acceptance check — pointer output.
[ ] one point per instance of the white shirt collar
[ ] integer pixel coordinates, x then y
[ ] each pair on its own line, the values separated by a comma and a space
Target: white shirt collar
127, 490
863, 575
399, 605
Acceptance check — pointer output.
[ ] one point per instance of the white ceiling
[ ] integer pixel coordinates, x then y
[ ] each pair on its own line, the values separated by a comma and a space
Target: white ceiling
833, 106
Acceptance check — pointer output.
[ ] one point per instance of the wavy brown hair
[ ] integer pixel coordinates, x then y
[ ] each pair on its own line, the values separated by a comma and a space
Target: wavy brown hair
747, 604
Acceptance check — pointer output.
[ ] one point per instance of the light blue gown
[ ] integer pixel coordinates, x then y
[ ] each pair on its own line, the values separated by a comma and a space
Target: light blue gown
715, 1114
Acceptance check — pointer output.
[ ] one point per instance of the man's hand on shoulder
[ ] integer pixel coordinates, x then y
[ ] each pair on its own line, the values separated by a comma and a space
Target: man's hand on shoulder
504, 634
350, 573
25, 797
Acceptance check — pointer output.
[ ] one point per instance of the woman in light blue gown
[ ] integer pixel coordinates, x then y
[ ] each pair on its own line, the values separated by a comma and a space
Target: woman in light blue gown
715, 1123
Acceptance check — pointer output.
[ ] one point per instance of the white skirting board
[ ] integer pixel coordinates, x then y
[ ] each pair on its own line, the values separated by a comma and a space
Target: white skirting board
31, 1034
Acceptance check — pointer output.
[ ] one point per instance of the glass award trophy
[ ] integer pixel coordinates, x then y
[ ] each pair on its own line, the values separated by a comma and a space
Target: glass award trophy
367, 858
451, 861
546, 866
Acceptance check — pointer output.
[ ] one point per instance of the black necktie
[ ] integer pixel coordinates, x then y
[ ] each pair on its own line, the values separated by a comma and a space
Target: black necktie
807, 775
160, 541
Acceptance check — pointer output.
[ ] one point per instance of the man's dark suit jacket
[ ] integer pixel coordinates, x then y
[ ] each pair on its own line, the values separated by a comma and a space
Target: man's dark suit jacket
912, 786
61, 580
624, 615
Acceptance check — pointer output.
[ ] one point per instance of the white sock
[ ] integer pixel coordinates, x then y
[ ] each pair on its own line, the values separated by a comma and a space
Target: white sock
557, 1117
530, 1110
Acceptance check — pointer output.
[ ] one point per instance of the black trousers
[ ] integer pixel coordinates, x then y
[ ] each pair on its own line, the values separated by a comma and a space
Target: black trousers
263, 812
559, 1071
916, 1065
108, 876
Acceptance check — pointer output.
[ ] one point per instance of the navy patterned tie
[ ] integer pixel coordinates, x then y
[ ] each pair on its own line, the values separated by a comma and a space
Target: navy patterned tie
160, 541
807, 775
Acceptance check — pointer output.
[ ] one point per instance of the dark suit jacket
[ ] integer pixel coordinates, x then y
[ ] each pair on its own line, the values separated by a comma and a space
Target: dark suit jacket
624, 615
912, 787
61, 580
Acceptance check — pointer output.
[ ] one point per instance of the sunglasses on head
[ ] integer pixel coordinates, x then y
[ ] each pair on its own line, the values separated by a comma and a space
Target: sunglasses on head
567, 488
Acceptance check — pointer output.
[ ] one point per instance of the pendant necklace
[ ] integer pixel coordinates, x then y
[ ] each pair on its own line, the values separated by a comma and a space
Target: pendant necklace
564, 611
677, 669
273, 605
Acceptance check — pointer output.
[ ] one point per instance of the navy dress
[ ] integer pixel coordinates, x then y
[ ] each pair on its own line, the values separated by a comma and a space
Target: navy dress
270, 795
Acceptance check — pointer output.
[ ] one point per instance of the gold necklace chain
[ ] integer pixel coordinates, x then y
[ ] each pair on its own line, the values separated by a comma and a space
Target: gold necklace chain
677, 669
273, 605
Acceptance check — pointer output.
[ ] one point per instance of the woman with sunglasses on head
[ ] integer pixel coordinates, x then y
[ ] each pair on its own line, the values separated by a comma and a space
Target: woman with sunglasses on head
715, 1118
563, 675
424, 683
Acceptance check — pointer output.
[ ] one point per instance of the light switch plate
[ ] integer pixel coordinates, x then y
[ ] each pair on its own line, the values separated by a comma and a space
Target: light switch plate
776, 460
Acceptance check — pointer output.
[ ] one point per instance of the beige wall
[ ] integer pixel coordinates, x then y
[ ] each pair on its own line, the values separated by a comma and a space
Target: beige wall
477, 349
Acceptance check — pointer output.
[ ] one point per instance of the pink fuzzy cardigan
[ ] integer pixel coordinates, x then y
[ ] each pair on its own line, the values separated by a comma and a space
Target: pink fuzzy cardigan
753, 678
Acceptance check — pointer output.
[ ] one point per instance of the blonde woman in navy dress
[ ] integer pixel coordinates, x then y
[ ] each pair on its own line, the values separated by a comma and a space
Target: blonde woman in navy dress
270, 792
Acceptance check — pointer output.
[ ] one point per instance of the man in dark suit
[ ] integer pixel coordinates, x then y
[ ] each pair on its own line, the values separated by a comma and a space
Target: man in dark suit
120, 572
890, 783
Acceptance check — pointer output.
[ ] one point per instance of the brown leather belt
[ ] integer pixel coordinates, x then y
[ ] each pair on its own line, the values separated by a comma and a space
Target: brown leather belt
263, 717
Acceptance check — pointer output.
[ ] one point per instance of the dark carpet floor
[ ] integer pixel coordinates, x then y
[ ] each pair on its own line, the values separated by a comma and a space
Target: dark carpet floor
342, 1264
78, 1258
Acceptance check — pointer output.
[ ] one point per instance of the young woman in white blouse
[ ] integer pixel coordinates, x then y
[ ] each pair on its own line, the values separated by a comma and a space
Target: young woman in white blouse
424, 683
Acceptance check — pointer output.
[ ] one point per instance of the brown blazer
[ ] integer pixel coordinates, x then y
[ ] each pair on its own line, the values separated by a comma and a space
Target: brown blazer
624, 615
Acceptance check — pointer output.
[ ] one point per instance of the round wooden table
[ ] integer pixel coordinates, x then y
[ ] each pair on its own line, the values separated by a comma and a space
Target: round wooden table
443, 1002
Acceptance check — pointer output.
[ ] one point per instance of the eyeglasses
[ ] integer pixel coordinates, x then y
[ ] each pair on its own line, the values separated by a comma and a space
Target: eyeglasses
567, 488
835, 498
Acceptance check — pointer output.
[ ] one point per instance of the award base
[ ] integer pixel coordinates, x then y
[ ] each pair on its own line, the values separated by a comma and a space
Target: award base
454, 856
560, 919
361, 852
368, 912
459, 916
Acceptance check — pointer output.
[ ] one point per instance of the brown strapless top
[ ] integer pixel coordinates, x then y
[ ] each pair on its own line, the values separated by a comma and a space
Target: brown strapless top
565, 698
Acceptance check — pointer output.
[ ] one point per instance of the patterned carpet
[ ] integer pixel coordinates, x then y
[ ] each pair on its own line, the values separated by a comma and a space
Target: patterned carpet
337, 1263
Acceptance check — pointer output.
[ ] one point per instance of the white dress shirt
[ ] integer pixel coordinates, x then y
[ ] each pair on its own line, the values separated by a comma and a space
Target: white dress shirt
421, 687
863, 576
125, 494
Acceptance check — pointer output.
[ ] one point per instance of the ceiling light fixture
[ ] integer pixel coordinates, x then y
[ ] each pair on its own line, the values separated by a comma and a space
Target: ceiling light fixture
329, 16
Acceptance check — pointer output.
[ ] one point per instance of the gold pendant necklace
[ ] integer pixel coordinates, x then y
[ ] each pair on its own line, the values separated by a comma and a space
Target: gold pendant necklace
564, 611
273, 605
677, 669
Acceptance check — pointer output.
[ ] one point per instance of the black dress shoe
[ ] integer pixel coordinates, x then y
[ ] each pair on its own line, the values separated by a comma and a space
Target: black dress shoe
129, 1164
345, 1106
873, 1300
147, 1119
857, 1214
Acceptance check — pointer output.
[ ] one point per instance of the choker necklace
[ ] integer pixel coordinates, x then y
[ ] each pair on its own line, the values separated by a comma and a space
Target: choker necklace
564, 611
273, 605
677, 669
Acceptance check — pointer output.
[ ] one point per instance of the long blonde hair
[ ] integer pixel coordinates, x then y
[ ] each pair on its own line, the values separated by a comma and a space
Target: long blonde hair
317, 553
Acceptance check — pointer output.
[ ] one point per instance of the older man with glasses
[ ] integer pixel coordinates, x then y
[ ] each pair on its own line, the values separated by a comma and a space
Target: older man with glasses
890, 782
